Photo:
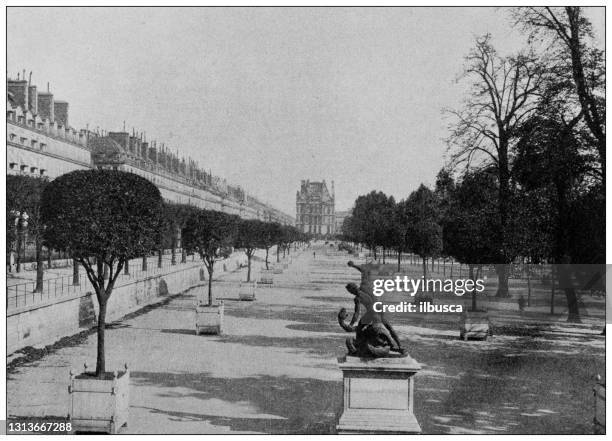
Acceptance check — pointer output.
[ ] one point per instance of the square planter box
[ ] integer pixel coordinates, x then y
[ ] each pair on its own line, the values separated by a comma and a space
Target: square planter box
474, 324
266, 277
99, 405
278, 269
246, 291
209, 319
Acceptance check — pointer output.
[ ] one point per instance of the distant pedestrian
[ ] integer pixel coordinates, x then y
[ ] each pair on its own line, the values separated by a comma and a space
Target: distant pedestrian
314, 255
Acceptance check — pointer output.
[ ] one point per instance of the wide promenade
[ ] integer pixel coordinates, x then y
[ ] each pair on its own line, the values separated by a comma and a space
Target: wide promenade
274, 369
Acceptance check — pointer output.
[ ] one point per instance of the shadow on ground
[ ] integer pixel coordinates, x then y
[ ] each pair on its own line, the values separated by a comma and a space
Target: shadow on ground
299, 405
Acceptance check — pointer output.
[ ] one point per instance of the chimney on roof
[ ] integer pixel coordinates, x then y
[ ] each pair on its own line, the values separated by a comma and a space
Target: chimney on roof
19, 89
46, 105
60, 112
32, 99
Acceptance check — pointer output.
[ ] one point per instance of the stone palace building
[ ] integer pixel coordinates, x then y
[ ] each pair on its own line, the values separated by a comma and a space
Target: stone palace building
315, 207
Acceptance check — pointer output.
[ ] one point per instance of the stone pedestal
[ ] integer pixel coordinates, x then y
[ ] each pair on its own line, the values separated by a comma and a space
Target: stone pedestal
378, 396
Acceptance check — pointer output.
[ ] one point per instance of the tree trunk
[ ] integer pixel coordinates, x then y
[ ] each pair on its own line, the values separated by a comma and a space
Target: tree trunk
18, 256
399, 259
528, 286
383, 254
126, 268
210, 268
249, 255
586, 99
503, 272
183, 255
144, 263
552, 290
504, 200
75, 272
424, 270
39, 266
49, 252
101, 362
473, 292
267, 249
565, 273
277, 254
159, 258
173, 251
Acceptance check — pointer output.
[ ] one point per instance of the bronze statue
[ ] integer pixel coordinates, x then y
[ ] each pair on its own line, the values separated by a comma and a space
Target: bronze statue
375, 337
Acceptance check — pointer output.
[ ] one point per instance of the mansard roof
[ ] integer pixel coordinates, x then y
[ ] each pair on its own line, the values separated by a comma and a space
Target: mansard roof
314, 191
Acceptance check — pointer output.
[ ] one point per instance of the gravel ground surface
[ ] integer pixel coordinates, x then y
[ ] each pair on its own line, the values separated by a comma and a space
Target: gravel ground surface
274, 369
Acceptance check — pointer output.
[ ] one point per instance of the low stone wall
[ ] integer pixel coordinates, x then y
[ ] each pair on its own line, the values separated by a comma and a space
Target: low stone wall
43, 324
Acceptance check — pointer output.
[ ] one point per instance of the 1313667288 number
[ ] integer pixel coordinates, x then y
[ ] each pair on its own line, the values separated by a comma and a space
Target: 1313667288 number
40, 426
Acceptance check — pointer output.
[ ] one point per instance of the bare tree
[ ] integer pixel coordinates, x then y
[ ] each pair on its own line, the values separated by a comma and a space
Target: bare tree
504, 92
568, 31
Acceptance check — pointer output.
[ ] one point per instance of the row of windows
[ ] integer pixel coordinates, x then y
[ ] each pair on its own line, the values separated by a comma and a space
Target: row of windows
305, 219
313, 209
24, 168
24, 141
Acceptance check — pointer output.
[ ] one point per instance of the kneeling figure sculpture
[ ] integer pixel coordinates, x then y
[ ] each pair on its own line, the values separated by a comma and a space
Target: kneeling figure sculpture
374, 335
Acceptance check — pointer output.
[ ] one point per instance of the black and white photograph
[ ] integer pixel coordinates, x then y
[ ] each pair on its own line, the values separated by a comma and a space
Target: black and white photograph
305, 219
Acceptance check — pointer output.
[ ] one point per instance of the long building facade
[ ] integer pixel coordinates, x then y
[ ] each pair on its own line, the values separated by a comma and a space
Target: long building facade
315, 209
40, 142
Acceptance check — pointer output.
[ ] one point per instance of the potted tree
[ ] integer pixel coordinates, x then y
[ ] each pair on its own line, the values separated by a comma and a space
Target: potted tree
248, 237
268, 239
210, 234
102, 218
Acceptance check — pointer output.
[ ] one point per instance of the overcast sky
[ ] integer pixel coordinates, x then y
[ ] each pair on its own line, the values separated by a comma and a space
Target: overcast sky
266, 97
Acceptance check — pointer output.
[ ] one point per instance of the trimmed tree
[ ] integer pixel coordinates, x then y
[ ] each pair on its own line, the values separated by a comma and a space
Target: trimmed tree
106, 217
175, 219
269, 237
23, 197
248, 237
424, 234
371, 219
471, 224
400, 225
211, 234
